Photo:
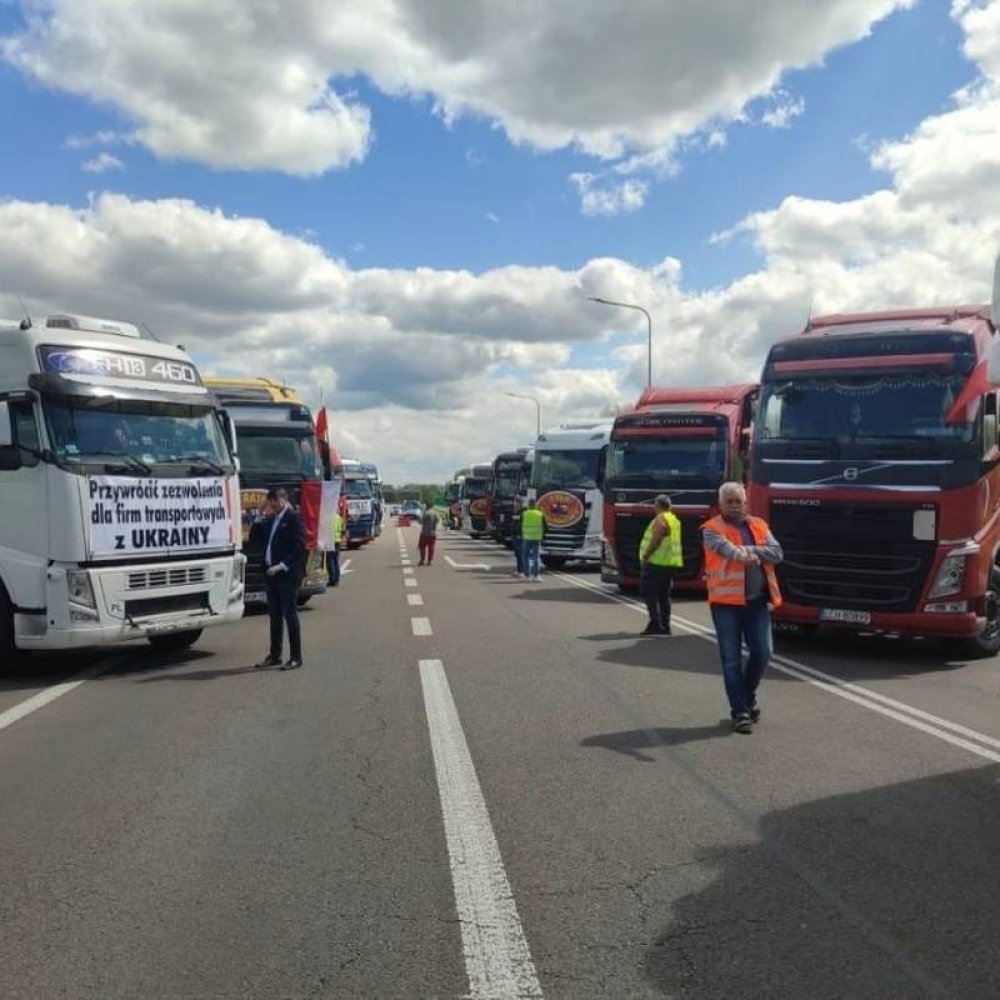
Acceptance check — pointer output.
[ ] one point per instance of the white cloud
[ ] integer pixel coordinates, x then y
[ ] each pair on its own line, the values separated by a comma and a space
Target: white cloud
603, 198
102, 163
254, 84
493, 217
784, 111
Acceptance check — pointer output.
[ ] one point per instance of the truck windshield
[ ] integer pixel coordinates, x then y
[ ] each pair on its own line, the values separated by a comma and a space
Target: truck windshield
358, 488
649, 461
150, 432
506, 481
475, 488
277, 452
566, 469
866, 417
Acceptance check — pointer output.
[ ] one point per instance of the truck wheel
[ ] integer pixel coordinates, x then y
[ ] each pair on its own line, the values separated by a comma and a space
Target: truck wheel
7, 647
174, 642
553, 562
987, 643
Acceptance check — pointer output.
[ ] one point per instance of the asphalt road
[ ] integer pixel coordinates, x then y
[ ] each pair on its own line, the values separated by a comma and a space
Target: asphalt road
497, 790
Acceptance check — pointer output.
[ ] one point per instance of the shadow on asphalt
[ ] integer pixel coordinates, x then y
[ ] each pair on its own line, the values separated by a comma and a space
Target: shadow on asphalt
31, 670
685, 653
636, 742
888, 892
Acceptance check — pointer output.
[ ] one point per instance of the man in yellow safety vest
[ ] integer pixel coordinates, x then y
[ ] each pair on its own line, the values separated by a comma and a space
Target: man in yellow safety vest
660, 556
532, 533
333, 556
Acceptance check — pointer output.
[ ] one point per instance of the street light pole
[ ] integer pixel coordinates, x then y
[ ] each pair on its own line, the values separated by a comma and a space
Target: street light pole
538, 410
649, 325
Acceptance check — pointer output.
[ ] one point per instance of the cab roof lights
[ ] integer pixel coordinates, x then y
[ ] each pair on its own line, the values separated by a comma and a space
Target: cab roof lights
92, 324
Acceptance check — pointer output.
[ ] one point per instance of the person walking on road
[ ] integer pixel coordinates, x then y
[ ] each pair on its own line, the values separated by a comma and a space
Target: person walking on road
532, 533
333, 556
660, 556
284, 567
429, 522
740, 556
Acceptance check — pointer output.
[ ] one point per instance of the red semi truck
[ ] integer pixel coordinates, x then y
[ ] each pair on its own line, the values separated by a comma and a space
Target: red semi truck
875, 460
682, 442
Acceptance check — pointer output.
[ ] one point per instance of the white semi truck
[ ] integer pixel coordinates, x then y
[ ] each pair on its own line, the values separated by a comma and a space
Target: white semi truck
567, 477
120, 492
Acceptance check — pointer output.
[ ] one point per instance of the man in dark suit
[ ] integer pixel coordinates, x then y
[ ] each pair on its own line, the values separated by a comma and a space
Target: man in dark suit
284, 537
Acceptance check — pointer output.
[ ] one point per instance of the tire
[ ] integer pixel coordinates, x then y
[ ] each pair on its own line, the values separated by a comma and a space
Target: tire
174, 642
553, 562
7, 647
987, 643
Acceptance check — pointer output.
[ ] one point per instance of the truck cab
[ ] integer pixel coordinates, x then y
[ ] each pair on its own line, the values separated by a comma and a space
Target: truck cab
681, 442
876, 462
567, 478
121, 496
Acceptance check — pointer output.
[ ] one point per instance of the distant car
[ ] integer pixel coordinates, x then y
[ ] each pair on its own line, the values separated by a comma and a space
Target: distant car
395, 510
411, 509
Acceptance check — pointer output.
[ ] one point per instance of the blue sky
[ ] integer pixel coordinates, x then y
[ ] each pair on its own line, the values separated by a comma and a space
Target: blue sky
448, 225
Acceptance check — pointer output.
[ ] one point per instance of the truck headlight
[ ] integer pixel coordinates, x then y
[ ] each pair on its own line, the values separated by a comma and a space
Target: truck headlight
80, 591
608, 555
950, 577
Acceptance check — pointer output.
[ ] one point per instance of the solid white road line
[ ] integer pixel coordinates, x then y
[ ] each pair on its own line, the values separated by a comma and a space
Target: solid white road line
409, 581
497, 958
46, 697
457, 565
344, 565
415, 599
915, 718
421, 626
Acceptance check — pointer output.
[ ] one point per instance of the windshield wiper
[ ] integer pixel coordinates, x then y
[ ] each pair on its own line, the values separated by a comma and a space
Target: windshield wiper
131, 462
201, 460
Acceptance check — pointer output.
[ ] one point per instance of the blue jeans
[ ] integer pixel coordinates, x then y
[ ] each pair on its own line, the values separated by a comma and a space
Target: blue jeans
530, 557
332, 567
734, 625
519, 553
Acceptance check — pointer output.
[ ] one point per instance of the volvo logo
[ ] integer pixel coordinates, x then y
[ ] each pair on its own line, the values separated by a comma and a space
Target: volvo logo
851, 474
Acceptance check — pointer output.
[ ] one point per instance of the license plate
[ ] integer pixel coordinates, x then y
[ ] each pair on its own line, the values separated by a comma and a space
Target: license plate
848, 617
254, 597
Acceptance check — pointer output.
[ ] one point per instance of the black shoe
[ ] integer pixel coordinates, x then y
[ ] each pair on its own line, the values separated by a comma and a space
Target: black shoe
291, 665
755, 713
420, 563
651, 630
742, 723
666, 630
268, 661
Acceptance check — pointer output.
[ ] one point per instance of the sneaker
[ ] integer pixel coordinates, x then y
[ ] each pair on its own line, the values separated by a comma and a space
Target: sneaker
291, 665
755, 713
517, 576
742, 723
268, 661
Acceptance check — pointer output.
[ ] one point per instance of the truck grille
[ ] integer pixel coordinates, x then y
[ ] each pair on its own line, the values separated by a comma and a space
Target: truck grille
146, 607
851, 555
166, 576
558, 540
629, 529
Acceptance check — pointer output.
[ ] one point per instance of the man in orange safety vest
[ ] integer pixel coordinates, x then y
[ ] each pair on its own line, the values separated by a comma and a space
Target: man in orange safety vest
740, 556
